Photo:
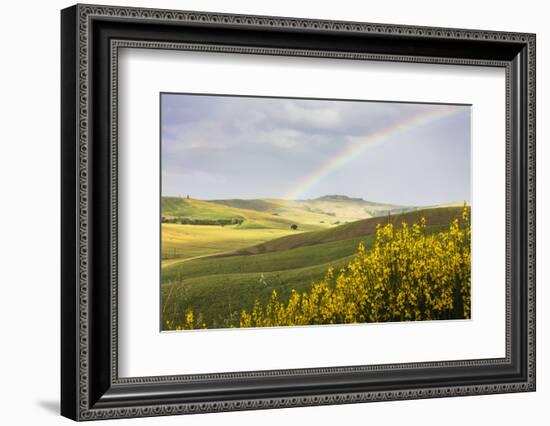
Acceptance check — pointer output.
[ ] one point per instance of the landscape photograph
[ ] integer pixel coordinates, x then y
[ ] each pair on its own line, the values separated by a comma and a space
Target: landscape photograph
278, 212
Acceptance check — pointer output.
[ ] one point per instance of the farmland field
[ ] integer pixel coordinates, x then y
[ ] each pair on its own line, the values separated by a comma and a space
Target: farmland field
217, 271
181, 242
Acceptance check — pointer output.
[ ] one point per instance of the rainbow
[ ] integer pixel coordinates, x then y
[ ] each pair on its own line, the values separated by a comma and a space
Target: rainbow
354, 149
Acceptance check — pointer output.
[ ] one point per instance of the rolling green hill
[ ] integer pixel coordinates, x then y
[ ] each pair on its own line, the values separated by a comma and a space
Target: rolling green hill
266, 262
184, 242
323, 212
193, 211
259, 205
194, 228
219, 299
434, 217
329, 209
218, 287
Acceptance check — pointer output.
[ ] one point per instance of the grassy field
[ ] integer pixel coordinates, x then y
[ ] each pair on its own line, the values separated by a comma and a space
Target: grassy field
327, 210
435, 217
249, 223
218, 271
257, 221
219, 298
181, 242
189, 208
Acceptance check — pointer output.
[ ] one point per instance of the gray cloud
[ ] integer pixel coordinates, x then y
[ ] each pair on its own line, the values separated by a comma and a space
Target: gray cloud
231, 147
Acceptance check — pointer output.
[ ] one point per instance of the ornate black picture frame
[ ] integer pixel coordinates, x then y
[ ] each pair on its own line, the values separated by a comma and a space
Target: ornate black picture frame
91, 387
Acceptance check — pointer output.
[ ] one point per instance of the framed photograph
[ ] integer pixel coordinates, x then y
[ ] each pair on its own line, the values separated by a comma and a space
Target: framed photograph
263, 212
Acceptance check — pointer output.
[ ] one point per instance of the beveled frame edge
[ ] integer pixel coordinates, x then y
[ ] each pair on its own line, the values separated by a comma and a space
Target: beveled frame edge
75, 211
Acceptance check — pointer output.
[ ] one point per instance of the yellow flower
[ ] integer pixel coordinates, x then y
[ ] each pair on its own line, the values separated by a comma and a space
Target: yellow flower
408, 275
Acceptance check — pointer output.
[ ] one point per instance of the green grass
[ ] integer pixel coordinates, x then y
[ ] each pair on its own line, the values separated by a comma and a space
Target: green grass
225, 269
180, 242
219, 299
195, 209
218, 289
185, 241
268, 262
439, 216
304, 212
190, 208
320, 213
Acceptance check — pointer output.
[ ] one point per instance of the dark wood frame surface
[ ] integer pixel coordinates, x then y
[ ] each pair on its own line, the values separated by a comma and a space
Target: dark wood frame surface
90, 38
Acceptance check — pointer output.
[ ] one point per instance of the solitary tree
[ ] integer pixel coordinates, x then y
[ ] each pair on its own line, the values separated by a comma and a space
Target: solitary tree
294, 227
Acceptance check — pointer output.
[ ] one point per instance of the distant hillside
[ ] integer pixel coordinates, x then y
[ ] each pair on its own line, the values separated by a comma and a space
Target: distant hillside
259, 205
175, 207
325, 212
345, 198
308, 215
434, 217
199, 212
301, 213
347, 208
328, 209
337, 197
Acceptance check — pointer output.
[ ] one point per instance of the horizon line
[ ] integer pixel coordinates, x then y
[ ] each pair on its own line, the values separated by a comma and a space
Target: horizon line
467, 202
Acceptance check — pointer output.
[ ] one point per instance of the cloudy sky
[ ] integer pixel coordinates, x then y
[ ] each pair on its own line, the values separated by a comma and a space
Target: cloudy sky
217, 147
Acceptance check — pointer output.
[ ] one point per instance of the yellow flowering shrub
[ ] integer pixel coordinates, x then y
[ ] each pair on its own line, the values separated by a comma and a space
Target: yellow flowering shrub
190, 323
408, 275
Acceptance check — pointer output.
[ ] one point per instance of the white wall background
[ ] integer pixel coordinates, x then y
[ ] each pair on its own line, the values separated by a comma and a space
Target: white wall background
29, 216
